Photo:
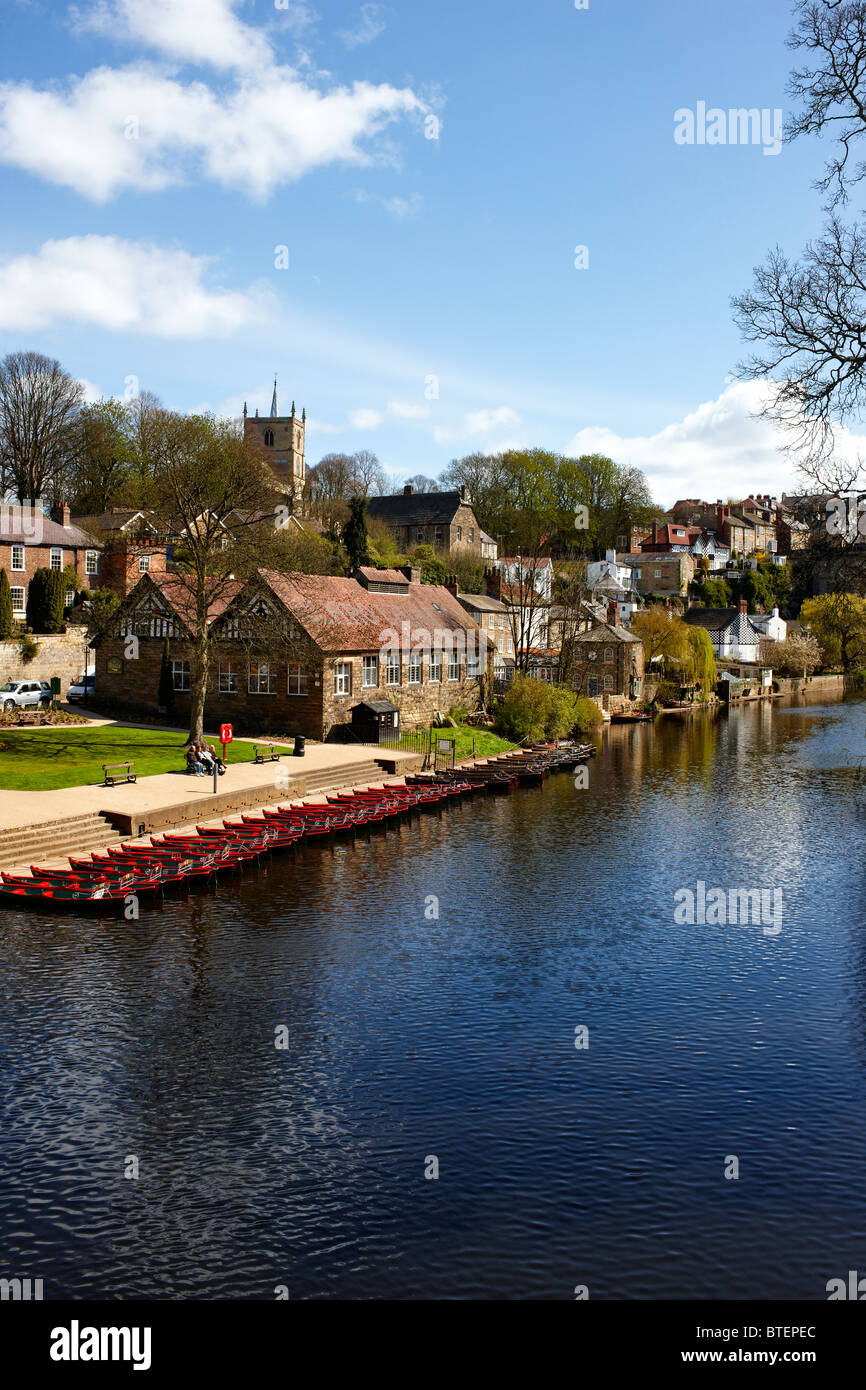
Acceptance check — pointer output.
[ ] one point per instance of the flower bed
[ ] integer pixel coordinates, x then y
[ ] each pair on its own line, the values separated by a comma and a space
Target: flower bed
43, 718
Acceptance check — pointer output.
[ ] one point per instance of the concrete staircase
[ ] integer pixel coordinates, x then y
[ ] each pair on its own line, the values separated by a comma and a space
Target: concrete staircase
38, 844
349, 775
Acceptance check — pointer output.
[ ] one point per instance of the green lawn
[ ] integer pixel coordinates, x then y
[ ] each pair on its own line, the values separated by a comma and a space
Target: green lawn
487, 745
73, 757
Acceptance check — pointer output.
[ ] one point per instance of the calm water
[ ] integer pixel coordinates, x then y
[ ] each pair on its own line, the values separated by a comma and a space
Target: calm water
411, 1037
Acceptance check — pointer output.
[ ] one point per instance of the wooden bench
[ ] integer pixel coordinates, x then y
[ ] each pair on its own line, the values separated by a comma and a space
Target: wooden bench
267, 753
118, 772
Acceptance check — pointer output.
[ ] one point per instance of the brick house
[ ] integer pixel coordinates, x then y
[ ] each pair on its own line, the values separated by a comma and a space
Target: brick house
445, 520
31, 540
130, 546
302, 653
608, 664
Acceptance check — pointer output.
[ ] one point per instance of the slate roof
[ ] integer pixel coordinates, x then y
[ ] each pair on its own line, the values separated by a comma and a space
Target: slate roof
16, 532
595, 634
483, 603
416, 508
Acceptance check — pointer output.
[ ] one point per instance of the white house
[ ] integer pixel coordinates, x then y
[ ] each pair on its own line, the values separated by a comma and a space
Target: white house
732, 632
771, 625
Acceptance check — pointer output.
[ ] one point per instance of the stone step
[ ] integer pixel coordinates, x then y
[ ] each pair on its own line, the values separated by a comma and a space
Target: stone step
52, 835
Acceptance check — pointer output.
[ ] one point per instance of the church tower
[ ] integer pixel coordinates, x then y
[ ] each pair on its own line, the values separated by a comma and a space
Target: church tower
281, 441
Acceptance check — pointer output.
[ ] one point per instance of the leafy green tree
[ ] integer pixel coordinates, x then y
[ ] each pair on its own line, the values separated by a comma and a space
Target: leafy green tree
700, 665
713, 593
37, 601
532, 711
355, 534
55, 598
6, 618
433, 571
665, 637
839, 623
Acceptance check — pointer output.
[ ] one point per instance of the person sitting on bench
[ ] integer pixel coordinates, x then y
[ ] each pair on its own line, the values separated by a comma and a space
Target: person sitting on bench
210, 759
193, 762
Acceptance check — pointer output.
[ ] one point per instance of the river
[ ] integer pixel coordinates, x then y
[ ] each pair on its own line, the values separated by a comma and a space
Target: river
416, 1042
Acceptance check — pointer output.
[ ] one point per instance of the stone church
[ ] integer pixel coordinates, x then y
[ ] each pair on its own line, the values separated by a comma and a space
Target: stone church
281, 441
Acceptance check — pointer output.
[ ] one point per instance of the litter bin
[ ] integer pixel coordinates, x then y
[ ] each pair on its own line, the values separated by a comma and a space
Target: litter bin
300, 742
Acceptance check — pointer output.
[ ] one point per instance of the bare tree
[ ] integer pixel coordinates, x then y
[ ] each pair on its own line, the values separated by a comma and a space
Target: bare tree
419, 482
830, 85
212, 492
369, 473
39, 405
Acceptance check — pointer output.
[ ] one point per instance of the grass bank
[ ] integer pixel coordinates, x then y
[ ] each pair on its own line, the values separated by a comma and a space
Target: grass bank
73, 757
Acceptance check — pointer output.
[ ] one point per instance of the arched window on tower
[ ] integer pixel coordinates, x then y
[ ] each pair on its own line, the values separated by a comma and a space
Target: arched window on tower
269, 438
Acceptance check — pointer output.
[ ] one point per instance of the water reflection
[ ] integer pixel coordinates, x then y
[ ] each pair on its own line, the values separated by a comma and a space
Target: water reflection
411, 1036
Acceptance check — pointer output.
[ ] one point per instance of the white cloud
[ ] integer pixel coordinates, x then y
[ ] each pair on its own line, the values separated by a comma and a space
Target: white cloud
407, 410
138, 128
198, 31
365, 419
398, 206
718, 450
370, 25
490, 430
124, 287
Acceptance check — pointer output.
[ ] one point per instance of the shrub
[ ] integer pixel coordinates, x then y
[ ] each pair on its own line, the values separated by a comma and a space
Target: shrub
6, 618
29, 648
532, 711
46, 601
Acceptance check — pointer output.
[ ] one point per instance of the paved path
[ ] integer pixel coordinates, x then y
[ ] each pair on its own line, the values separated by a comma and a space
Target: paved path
20, 809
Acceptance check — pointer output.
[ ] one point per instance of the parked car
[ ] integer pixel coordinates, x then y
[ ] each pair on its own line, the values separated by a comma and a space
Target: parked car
84, 686
20, 694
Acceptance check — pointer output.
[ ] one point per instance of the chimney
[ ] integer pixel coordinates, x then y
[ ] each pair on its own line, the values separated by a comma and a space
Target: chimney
655, 532
451, 585
612, 613
412, 573
744, 606
60, 513
493, 582
408, 490
465, 496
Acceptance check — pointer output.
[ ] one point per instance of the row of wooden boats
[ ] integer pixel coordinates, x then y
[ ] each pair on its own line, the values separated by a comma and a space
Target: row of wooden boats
175, 858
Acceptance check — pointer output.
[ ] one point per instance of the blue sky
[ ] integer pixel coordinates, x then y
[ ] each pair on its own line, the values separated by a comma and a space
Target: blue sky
154, 154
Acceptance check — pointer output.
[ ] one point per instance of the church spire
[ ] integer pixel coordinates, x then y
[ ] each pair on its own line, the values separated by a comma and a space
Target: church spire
274, 407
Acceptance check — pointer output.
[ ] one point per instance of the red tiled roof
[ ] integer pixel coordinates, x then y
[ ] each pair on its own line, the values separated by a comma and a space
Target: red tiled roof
383, 576
179, 594
341, 615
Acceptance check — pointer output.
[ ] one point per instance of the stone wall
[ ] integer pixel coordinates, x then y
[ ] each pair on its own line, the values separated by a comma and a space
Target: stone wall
62, 655
132, 689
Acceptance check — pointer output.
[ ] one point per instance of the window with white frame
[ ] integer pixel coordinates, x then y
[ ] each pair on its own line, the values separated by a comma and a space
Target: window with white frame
392, 668
143, 564
298, 679
413, 674
473, 666
18, 600
608, 682
370, 672
342, 678
435, 666
228, 678
18, 557
501, 621
56, 558
262, 679
472, 533
459, 533
454, 666
657, 574
608, 654
91, 562
180, 675
69, 598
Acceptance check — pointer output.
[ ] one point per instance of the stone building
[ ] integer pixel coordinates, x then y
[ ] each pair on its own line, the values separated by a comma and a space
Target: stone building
660, 573
281, 442
297, 653
445, 520
31, 539
608, 664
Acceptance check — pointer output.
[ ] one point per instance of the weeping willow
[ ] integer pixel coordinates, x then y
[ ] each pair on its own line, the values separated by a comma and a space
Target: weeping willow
700, 660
